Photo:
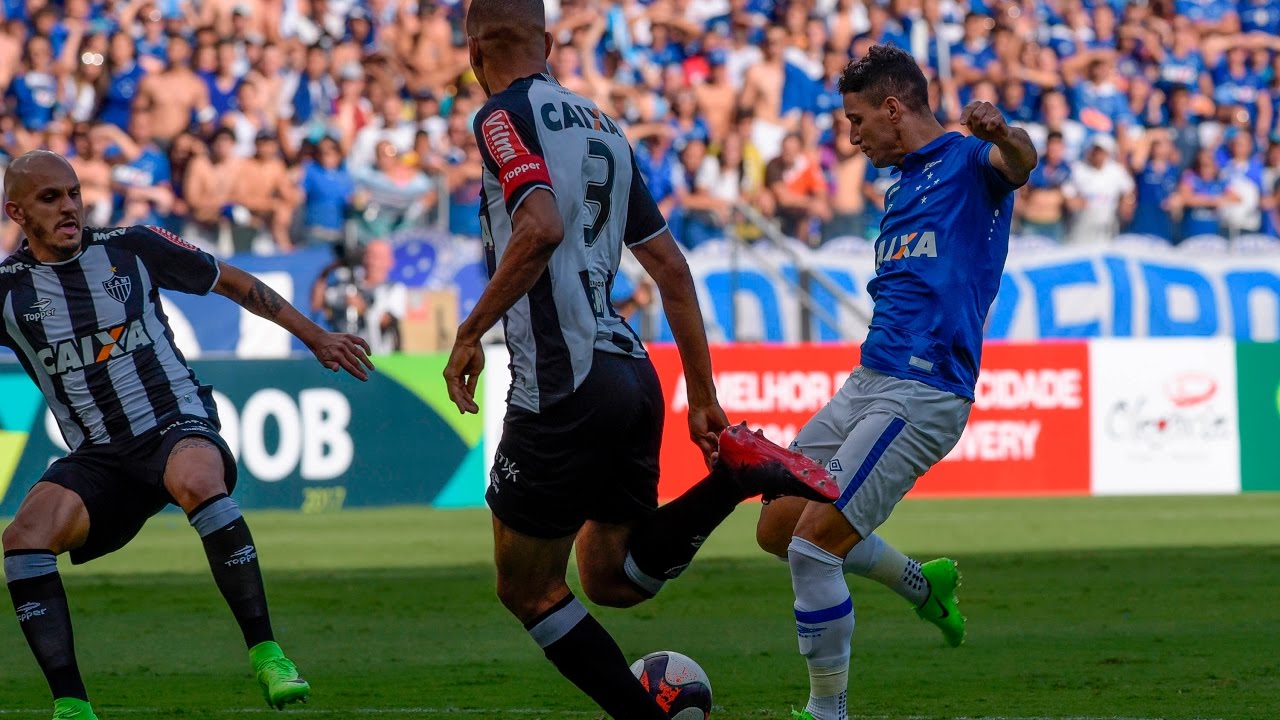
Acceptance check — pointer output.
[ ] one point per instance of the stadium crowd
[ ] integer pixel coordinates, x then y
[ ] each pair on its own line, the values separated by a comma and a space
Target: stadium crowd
265, 124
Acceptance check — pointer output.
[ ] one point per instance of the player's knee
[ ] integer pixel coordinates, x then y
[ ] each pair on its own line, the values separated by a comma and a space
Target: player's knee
195, 473
23, 534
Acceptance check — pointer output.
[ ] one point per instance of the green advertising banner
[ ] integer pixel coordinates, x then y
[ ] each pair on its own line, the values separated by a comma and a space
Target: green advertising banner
304, 438
1259, 383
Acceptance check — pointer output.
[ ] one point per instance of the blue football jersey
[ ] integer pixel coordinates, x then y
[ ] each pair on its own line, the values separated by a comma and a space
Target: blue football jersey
939, 258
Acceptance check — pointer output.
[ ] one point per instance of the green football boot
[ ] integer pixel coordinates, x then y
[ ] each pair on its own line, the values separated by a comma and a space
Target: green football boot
801, 715
72, 709
941, 607
277, 675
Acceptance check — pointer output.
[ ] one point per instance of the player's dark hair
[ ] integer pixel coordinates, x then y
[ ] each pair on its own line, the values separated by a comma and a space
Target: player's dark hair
1055, 135
886, 71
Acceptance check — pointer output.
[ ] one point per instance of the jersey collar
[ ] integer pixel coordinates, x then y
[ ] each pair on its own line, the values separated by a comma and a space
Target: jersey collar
915, 159
25, 254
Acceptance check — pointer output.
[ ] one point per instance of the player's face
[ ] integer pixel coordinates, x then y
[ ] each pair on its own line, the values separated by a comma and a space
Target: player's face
872, 129
49, 209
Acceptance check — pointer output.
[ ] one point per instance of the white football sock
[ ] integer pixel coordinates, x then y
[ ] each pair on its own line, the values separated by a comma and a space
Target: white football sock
824, 625
878, 560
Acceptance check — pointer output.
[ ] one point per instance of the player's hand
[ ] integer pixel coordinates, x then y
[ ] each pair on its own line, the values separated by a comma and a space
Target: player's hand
705, 424
339, 351
462, 375
985, 121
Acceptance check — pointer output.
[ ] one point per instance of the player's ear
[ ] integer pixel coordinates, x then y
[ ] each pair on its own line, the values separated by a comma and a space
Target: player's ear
14, 212
548, 40
893, 108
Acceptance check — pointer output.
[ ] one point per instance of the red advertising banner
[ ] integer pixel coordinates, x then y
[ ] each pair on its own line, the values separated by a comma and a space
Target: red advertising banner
1028, 433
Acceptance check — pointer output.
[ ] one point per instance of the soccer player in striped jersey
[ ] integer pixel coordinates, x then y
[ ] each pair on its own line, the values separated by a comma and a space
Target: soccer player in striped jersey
577, 464
81, 309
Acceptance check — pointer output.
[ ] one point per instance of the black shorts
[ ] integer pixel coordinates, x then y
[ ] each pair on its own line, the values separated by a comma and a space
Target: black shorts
591, 456
122, 484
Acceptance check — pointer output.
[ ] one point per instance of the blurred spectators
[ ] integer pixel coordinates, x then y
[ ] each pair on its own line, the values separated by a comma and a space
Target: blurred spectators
268, 124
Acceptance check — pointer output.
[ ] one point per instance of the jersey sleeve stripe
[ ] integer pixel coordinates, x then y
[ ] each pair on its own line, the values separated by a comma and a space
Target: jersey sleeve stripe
638, 243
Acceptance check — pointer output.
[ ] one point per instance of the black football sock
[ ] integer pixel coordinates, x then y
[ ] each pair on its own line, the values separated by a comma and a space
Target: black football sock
234, 561
41, 602
664, 544
582, 650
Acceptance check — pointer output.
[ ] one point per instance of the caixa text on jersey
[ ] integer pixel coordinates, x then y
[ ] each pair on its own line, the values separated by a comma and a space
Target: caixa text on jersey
97, 347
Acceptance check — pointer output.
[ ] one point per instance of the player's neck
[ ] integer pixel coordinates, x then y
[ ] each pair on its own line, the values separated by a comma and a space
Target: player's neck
920, 133
502, 79
48, 255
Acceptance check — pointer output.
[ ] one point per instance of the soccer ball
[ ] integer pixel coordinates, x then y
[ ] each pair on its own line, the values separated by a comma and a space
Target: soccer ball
677, 683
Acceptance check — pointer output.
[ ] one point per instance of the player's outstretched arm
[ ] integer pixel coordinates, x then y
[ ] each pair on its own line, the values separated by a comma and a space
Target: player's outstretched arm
333, 350
537, 230
664, 262
1013, 155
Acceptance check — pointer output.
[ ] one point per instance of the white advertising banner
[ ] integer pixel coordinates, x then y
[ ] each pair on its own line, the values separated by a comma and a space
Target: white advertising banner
1164, 417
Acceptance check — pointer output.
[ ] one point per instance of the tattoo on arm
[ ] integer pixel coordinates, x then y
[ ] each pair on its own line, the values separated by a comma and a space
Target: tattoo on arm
261, 300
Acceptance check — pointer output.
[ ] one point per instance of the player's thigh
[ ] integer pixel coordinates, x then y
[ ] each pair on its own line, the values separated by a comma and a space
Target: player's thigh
820, 439
191, 462
530, 570
881, 461
117, 504
51, 517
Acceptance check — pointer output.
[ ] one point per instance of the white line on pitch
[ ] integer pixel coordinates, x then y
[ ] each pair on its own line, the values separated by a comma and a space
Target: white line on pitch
497, 712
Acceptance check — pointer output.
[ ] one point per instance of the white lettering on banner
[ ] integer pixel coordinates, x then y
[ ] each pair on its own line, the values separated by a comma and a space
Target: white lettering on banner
314, 439
327, 448
1046, 389
263, 464
997, 441
763, 392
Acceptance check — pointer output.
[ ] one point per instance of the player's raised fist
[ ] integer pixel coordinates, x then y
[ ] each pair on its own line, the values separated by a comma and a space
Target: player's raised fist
985, 121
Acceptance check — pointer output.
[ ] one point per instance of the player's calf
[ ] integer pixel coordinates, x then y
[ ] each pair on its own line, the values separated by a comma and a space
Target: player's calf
233, 559
52, 519
824, 625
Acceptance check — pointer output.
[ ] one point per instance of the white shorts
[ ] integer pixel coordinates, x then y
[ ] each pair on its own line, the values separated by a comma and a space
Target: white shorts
876, 436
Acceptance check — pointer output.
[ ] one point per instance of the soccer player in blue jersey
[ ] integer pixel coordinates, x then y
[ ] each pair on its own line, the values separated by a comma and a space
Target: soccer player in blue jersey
939, 258
80, 307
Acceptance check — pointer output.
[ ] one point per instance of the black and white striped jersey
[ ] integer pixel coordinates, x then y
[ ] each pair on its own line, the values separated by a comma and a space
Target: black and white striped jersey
91, 332
537, 134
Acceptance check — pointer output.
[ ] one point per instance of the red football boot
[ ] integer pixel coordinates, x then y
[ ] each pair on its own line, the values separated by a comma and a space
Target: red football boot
771, 470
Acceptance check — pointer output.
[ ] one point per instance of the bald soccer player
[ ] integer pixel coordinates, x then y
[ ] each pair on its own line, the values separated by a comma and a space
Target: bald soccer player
577, 464
81, 309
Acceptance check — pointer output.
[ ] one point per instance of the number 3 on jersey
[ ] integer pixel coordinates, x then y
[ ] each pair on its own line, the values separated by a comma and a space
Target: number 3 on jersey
600, 172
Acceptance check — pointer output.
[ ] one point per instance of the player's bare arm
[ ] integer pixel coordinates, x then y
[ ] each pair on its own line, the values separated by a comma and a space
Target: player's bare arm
334, 350
1013, 155
538, 230
664, 262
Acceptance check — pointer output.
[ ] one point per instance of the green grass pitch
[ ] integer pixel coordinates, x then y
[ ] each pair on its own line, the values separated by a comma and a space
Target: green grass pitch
1078, 608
